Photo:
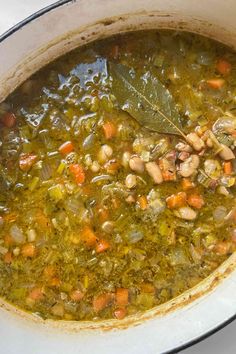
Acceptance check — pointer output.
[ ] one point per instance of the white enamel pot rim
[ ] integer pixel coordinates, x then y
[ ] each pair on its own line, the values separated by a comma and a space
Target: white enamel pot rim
199, 312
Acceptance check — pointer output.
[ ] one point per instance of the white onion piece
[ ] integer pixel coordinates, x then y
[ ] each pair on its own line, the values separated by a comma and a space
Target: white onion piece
74, 206
219, 213
17, 234
46, 172
135, 236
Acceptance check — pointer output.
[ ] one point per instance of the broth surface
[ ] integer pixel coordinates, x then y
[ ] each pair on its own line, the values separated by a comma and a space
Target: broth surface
101, 217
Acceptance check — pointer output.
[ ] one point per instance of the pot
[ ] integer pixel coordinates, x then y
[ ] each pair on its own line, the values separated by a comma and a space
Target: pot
198, 312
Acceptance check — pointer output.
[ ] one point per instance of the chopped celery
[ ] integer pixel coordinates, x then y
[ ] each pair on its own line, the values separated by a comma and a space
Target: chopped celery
33, 184
56, 192
61, 167
86, 281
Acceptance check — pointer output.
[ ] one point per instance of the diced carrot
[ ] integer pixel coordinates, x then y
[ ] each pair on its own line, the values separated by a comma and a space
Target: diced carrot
87, 190
100, 302
49, 271
42, 220
88, 236
8, 258
222, 247
147, 288
8, 240
78, 173
187, 184
103, 214
223, 67
176, 200
76, 295
28, 250
10, 217
120, 313
168, 176
109, 130
102, 245
216, 83
36, 294
228, 167
168, 173
54, 282
9, 120
66, 148
122, 297
112, 167
26, 161
143, 202
195, 200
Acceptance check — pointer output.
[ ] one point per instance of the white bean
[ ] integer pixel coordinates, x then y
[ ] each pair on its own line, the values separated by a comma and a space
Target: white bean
104, 153
108, 227
16, 251
183, 147
186, 213
130, 181
196, 142
226, 153
188, 167
136, 164
95, 167
209, 143
154, 171
125, 159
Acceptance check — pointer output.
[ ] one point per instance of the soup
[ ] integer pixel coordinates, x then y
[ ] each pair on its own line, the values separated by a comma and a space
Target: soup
117, 176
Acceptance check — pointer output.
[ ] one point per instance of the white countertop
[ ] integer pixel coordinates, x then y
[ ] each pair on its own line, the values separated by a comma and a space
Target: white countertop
13, 11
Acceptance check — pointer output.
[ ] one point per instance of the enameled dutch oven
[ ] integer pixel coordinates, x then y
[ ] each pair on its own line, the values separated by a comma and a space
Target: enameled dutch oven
184, 320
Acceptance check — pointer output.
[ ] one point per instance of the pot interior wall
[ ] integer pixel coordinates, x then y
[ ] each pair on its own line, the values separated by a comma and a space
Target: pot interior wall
31, 59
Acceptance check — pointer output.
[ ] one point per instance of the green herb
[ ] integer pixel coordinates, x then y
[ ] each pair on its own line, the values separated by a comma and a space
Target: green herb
146, 99
225, 139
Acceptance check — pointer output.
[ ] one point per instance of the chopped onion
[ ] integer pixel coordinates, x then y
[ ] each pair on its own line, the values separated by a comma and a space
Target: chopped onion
101, 178
178, 257
135, 236
46, 172
74, 205
88, 141
17, 234
219, 213
31, 235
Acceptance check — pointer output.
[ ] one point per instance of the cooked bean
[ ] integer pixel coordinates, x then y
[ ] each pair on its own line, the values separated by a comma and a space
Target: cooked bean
108, 227
196, 142
226, 153
125, 158
154, 171
183, 147
95, 167
189, 166
131, 181
104, 153
186, 213
136, 164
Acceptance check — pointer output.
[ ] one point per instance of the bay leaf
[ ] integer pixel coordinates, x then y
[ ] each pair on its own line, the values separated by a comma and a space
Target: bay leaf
146, 99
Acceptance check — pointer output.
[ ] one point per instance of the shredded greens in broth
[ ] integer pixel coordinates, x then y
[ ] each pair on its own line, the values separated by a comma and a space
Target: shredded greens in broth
117, 176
